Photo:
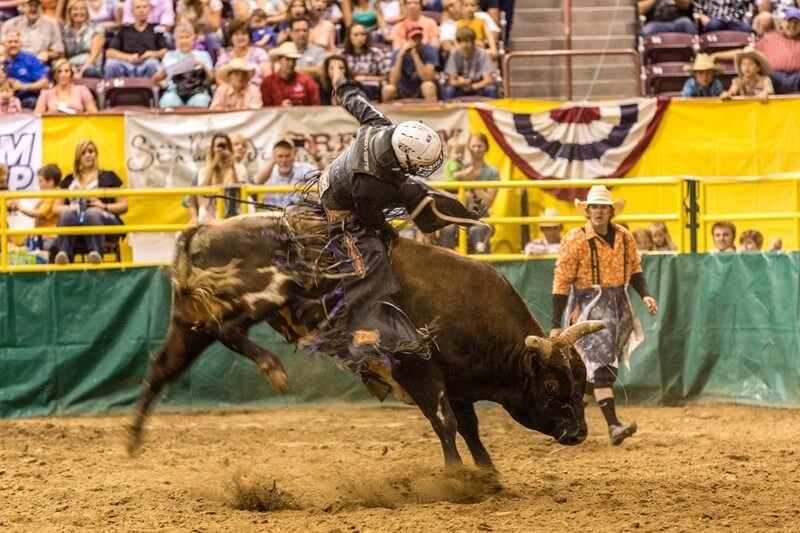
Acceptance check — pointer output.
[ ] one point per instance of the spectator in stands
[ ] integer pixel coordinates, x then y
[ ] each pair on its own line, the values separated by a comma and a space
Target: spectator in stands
491, 8
724, 234
161, 14
206, 17
311, 55
235, 92
262, 34
65, 96
661, 237
244, 151
187, 87
3, 177
286, 87
88, 211
415, 19
9, 9
390, 12
242, 48
369, 64
9, 104
276, 10
483, 36
413, 70
716, 15
663, 16
751, 240
327, 95
644, 240
27, 74
39, 35
83, 41
333, 12
447, 28
282, 169
42, 212
297, 10
469, 69
770, 11
704, 81
478, 199
323, 32
456, 159
220, 169
105, 14
360, 12
753, 80
782, 50
137, 49
551, 242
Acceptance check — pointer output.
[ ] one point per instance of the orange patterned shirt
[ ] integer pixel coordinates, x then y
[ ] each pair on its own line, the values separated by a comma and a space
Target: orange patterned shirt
574, 264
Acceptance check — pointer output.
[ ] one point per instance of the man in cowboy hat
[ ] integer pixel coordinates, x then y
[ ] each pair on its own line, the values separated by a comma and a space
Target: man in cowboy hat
704, 81
287, 87
235, 92
551, 242
596, 264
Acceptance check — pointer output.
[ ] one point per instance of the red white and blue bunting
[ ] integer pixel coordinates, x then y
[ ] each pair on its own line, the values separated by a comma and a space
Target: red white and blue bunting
602, 140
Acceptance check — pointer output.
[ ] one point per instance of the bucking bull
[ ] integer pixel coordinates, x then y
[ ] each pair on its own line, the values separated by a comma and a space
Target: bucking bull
277, 268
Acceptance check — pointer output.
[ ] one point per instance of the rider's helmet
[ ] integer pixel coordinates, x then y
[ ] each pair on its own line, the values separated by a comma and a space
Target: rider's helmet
418, 148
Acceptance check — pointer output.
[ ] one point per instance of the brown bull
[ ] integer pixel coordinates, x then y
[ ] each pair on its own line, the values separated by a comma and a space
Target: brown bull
229, 276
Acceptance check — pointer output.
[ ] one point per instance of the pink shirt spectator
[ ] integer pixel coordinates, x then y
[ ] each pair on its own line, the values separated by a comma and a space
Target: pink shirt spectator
227, 99
15, 106
783, 53
255, 56
78, 98
162, 12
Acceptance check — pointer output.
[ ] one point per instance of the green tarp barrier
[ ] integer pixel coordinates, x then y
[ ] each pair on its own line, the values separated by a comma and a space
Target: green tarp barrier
77, 342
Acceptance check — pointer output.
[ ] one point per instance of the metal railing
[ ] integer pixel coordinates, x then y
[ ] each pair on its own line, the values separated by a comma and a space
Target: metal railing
568, 54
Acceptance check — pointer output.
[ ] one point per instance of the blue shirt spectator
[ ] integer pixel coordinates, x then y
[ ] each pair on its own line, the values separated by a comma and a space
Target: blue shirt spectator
30, 73
414, 67
704, 81
693, 89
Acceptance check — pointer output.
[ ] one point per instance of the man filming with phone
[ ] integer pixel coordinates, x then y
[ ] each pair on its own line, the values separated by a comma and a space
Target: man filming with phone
282, 169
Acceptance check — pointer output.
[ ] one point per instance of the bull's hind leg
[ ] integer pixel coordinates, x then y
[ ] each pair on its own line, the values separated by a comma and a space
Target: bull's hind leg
468, 428
424, 382
176, 354
234, 337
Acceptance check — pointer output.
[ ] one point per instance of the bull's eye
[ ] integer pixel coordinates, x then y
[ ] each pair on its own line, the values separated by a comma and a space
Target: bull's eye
551, 386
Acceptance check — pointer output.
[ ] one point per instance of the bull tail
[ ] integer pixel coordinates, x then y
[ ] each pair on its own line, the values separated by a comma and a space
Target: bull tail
205, 294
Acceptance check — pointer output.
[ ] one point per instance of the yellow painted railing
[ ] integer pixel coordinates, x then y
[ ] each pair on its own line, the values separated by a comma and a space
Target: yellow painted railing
676, 213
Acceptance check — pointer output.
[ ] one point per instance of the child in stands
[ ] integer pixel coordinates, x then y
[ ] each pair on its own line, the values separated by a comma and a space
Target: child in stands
9, 103
262, 34
456, 161
704, 81
753, 68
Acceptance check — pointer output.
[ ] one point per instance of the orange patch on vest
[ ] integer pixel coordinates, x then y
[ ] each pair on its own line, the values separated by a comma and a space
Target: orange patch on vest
366, 336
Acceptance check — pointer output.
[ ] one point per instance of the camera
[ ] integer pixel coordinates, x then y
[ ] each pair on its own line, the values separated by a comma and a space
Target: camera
299, 142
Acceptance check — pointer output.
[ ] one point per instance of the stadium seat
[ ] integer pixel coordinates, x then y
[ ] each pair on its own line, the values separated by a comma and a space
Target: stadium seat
124, 92
665, 78
719, 41
668, 47
95, 86
727, 76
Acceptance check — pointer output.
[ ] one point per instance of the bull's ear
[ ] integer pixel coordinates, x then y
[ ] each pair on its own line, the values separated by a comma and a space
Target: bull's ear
541, 345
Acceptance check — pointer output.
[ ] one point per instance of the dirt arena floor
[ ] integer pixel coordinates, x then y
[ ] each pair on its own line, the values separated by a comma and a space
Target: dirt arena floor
345, 468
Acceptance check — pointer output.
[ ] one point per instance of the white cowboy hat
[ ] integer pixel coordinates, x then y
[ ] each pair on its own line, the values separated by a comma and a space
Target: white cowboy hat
599, 195
703, 62
760, 59
287, 49
234, 65
550, 212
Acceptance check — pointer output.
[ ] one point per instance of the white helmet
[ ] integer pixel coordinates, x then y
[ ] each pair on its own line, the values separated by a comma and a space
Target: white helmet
417, 147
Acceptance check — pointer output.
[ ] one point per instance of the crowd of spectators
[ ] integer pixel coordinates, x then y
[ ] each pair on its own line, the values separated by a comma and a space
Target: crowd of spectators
394, 48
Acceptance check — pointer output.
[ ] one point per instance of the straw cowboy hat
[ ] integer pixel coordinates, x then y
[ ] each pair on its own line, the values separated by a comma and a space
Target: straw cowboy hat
287, 49
551, 212
599, 195
703, 62
236, 64
760, 59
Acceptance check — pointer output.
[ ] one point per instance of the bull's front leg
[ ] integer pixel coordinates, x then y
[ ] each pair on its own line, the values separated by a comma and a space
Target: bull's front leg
468, 428
234, 337
424, 382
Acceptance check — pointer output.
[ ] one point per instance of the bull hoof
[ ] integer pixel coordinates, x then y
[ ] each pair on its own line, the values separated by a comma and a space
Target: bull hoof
279, 380
134, 441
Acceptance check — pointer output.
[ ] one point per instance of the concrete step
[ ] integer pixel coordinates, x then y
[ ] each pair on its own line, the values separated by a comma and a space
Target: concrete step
553, 15
577, 5
577, 62
602, 89
598, 28
532, 73
579, 42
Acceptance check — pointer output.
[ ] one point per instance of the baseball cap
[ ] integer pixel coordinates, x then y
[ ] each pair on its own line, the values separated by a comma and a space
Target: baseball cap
413, 31
791, 13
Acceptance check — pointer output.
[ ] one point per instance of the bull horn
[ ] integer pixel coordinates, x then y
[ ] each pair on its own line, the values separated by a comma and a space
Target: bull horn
542, 345
576, 331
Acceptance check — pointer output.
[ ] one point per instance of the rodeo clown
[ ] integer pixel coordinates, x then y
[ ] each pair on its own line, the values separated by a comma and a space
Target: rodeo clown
598, 261
376, 173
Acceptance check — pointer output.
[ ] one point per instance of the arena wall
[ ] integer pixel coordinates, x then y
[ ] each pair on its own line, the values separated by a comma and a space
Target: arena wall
79, 342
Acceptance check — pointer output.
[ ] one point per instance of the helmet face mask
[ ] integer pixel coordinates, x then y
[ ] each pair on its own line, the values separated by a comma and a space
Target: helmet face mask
418, 148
